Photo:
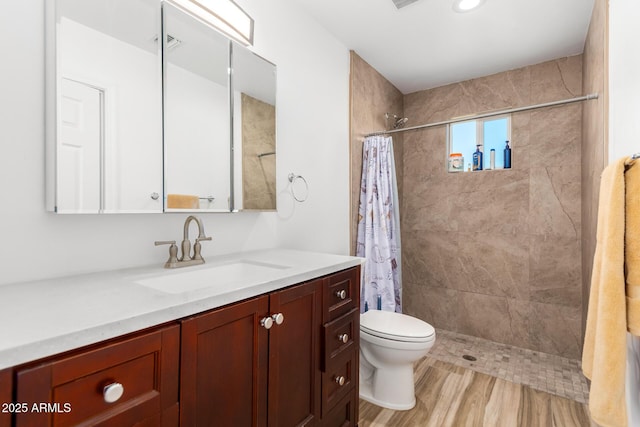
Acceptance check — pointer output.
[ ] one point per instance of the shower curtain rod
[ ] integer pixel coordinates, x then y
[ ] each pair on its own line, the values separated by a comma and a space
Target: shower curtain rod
490, 114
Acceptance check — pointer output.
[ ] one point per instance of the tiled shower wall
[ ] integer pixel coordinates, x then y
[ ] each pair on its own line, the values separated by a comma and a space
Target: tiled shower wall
497, 254
594, 137
371, 97
494, 254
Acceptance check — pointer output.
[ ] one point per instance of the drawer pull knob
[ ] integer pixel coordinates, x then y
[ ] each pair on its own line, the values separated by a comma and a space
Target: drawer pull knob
266, 323
278, 318
343, 338
113, 392
342, 294
340, 380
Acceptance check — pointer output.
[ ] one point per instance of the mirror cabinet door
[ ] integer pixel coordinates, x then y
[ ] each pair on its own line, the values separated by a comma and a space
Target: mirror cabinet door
104, 115
254, 130
197, 144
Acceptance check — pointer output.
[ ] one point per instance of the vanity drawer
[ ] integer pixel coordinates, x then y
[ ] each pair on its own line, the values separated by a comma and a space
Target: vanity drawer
335, 333
75, 389
341, 293
344, 413
6, 391
339, 379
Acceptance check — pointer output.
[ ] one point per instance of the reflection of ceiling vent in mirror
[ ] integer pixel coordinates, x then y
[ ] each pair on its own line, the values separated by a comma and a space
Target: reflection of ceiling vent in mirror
402, 3
172, 42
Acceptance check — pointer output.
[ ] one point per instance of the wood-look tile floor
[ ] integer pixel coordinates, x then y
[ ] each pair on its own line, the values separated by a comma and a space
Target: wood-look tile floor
452, 396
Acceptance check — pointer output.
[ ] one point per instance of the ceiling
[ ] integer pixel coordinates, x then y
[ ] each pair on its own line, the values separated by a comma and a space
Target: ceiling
426, 44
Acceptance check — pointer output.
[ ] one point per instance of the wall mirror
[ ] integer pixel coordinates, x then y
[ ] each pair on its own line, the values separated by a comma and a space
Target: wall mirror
254, 130
104, 116
139, 123
197, 163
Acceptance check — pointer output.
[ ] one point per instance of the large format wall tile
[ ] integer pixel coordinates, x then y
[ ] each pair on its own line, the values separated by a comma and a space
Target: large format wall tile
594, 137
435, 305
555, 276
555, 329
506, 244
492, 264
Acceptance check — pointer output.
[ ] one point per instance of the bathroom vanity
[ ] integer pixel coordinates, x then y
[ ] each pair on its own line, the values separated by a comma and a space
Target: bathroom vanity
277, 347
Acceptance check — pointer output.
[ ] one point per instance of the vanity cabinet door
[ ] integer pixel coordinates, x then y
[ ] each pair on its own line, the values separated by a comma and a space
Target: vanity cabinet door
224, 366
294, 356
131, 381
6, 387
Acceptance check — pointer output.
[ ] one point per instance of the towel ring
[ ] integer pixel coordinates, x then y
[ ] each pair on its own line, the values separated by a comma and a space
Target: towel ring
292, 179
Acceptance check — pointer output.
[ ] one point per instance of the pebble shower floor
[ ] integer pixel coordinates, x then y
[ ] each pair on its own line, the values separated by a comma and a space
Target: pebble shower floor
545, 372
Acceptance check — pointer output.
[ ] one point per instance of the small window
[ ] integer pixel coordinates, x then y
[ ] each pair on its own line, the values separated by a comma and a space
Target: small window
488, 134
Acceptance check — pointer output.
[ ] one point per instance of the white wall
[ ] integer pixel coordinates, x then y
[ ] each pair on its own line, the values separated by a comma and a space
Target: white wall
312, 123
624, 78
624, 137
312, 140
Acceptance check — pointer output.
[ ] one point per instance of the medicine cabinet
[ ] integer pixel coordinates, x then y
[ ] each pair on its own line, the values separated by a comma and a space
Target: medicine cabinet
141, 122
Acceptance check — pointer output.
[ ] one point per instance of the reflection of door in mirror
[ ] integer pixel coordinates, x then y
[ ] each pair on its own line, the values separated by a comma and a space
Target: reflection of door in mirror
254, 132
109, 47
196, 115
79, 147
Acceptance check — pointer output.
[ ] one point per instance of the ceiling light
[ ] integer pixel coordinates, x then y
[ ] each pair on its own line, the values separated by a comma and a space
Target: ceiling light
466, 5
224, 15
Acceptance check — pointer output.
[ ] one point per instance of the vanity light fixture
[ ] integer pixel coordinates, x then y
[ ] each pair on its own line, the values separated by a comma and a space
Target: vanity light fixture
462, 6
224, 15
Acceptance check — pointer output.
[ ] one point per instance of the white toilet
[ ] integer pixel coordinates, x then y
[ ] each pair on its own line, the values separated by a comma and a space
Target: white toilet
389, 345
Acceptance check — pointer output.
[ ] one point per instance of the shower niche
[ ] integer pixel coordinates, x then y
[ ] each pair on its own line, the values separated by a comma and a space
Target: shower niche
142, 123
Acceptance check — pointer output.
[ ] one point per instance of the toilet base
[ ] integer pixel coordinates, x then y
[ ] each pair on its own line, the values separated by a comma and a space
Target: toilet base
394, 388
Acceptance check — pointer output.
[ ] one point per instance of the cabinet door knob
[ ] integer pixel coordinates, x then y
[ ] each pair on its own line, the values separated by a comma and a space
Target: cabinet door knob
266, 323
278, 318
112, 392
340, 380
342, 294
344, 338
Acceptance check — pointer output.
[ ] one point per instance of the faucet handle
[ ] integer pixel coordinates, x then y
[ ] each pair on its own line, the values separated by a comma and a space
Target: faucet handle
173, 252
197, 247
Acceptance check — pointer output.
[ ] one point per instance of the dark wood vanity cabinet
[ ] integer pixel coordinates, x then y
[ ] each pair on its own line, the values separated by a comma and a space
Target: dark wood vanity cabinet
6, 398
287, 358
301, 372
241, 368
341, 348
126, 382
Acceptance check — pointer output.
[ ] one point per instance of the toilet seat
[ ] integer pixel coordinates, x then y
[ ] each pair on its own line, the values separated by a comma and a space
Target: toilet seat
396, 326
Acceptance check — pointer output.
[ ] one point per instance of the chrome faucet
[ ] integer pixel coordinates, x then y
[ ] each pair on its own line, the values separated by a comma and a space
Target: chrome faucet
186, 259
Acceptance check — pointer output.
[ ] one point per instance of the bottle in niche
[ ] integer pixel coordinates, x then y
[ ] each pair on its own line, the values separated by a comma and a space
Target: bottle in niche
477, 159
507, 156
492, 158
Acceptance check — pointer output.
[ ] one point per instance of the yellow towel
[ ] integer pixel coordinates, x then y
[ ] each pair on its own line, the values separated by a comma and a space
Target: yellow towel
182, 201
632, 247
609, 316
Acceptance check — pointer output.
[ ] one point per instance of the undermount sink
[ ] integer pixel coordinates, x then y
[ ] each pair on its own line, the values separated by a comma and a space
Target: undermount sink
215, 278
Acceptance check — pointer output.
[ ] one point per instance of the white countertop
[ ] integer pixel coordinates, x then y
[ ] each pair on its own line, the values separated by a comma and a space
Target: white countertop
47, 317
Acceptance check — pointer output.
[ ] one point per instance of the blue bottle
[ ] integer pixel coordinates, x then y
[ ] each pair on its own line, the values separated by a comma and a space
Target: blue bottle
477, 159
507, 156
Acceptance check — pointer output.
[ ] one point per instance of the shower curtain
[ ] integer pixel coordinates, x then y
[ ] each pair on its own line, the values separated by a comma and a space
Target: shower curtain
379, 228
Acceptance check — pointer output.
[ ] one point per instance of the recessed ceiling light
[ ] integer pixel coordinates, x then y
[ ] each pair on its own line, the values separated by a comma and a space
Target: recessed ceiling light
466, 5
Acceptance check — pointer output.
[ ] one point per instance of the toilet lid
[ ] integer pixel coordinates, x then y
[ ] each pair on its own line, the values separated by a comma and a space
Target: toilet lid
395, 326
